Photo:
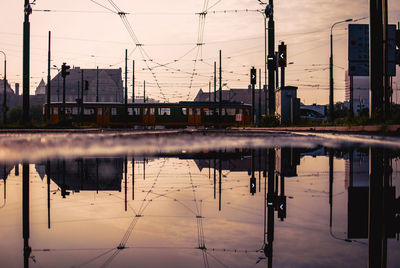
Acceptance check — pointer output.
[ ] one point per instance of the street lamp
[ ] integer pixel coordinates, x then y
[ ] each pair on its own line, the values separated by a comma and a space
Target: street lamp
5, 90
331, 113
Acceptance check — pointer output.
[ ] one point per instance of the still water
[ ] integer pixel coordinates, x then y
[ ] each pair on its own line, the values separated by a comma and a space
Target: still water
231, 206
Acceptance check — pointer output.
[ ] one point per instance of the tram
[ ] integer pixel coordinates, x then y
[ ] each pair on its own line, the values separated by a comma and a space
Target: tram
182, 114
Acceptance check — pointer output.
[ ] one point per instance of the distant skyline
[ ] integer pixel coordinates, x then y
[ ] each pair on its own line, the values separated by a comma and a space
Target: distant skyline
87, 34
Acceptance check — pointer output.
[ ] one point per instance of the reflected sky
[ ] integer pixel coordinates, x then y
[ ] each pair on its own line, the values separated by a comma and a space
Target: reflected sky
203, 209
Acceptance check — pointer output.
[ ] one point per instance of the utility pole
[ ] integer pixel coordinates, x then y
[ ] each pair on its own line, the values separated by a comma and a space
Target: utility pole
97, 84
265, 67
126, 80
26, 52
48, 81
209, 91
5, 90
376, 59
253, 81
144, 91
259, 98
133, 81
387, 88
215, 81
269, 12
220, 87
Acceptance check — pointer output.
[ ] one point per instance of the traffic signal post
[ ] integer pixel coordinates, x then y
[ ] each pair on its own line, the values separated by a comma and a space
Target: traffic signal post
64, 73
282, 61
253, 81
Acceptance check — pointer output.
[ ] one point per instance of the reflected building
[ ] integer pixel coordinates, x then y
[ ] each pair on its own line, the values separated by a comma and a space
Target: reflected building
88, 174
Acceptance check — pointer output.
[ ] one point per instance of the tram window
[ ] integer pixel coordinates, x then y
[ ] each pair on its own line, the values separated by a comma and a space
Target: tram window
184, 111
164, 111
88, 111
130, 111
55, 110
145, 111
216, 111
208, 112
230, 111
239, 111
113, 111
75, 110
223, 112
99, 111
152, 111
246, 111
190, 111
68, 110
136, 111
198, 111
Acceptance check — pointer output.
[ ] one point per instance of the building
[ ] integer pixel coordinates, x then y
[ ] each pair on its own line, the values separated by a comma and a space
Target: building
12, 98
287, 104
360, 92
109, 83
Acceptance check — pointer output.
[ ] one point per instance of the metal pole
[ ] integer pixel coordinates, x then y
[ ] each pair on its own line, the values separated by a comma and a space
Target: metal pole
81, 86
126, 80
97, 84
215, 81
282, 72
265, 65
387, 89
271, 67
144, 91
5, 90
209, 91
25, 213
26, 49
376, 59
133, 81
220, 87
48, 81
259, 99
58, 86
331, 113
133, 178
331, 98
376, 212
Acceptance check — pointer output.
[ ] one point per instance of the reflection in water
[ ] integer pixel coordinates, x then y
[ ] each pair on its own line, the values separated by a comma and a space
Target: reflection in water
372, 207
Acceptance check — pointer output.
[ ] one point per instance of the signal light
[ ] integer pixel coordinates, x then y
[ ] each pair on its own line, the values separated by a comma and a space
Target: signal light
64, 70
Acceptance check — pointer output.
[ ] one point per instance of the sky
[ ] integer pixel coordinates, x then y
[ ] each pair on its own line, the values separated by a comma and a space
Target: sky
90, 33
